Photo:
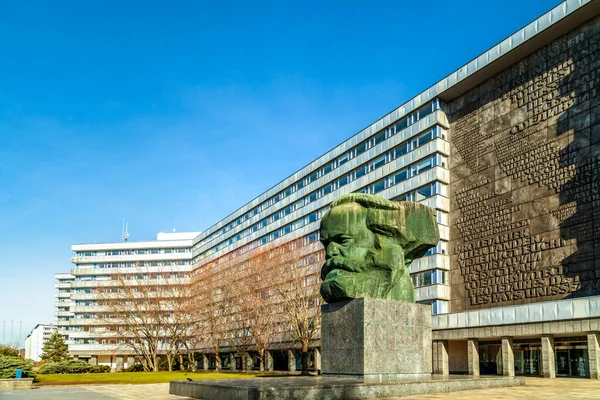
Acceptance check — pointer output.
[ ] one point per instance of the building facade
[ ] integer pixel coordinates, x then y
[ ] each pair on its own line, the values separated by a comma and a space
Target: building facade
505, 149
36, 339
83, 315
524, 176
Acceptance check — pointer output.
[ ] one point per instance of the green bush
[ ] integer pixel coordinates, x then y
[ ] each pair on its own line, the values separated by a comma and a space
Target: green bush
10, 364
72, 367
8, 351
134, 368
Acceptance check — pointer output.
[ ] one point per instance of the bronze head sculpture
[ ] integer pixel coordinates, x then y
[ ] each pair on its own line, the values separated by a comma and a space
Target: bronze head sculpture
369, 244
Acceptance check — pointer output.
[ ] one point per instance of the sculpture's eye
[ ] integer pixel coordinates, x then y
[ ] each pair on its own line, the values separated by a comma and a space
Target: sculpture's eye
346, 241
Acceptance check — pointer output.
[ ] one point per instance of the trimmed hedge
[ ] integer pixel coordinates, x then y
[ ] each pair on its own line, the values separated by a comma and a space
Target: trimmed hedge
10, 364
134, 368
72, 367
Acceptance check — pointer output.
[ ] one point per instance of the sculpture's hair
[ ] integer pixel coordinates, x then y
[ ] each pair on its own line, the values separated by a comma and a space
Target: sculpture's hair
367, 201
393, 220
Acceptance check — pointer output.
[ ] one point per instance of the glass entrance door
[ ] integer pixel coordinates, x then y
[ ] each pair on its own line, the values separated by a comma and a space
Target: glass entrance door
579, 363
527, 361
562, 362
572, 362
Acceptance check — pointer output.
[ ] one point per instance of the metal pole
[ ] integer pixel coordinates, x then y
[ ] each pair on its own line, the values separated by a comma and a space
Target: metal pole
3, 333
20, 332
11, 332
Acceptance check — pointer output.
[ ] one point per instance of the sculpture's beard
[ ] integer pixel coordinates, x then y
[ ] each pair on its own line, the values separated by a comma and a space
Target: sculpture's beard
352, 278
347, 264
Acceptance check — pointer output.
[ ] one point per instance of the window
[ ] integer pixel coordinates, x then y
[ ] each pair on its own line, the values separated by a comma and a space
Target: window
423, 193
313, 237
424, 111
400, 176
425, 137
423, 165
403, 123
343, 159
400, 151
378, 162
379, 138
378, 186
361, 149
360, 172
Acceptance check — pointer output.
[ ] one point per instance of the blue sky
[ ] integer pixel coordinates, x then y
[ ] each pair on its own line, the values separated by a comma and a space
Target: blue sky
171, 115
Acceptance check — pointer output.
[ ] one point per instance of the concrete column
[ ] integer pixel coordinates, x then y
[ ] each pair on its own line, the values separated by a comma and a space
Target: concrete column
119, 363
231, 362
130, 361
249, 362
473, 356
204, 362
548, 357
508, 357
291, 361
317, 360
268, 361
93, 360
441, 364
594, 354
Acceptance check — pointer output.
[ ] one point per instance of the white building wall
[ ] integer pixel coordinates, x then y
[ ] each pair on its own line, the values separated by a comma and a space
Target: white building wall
36, 339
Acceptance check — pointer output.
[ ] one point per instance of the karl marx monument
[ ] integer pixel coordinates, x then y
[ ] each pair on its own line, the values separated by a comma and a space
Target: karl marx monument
375, 340
371, 326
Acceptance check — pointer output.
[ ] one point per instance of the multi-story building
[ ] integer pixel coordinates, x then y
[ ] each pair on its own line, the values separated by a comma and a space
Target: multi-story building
36, 339
83, 316
505, 149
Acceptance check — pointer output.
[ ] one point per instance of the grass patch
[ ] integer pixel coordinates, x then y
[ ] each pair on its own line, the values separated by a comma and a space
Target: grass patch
133, 377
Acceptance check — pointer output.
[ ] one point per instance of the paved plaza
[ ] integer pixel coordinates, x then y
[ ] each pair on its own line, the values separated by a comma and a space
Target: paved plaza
158, 391
536, 389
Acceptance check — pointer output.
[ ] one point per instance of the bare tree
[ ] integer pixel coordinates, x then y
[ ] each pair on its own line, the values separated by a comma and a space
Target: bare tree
239, 336
143, 313
298, 290
210, 311
255, 304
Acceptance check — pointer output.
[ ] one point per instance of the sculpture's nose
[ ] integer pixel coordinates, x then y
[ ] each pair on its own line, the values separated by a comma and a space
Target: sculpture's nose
332, 250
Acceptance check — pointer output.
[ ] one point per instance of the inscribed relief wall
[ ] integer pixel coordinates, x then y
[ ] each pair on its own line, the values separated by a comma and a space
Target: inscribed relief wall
525, 179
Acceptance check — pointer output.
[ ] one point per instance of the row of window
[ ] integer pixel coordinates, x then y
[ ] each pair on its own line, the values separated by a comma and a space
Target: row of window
432, 277
130, 252
142, 276
394, 179
437, 306
406, 173
299, 223
339, 161
158, 263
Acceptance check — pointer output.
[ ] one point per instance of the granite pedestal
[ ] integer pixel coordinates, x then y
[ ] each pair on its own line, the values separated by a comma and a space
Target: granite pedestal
371, 348
330, 388
376, 339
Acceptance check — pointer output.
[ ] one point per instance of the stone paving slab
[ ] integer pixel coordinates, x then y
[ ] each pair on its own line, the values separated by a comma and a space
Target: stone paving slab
534, 389
56, 393
158, 391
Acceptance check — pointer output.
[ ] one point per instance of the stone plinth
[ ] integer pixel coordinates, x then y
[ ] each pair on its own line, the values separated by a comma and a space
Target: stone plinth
331, 388
15, 384
376, 339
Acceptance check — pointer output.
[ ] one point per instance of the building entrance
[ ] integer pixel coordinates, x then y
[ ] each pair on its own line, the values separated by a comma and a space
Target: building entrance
572, 357
572, 362
490, 358
527, 359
